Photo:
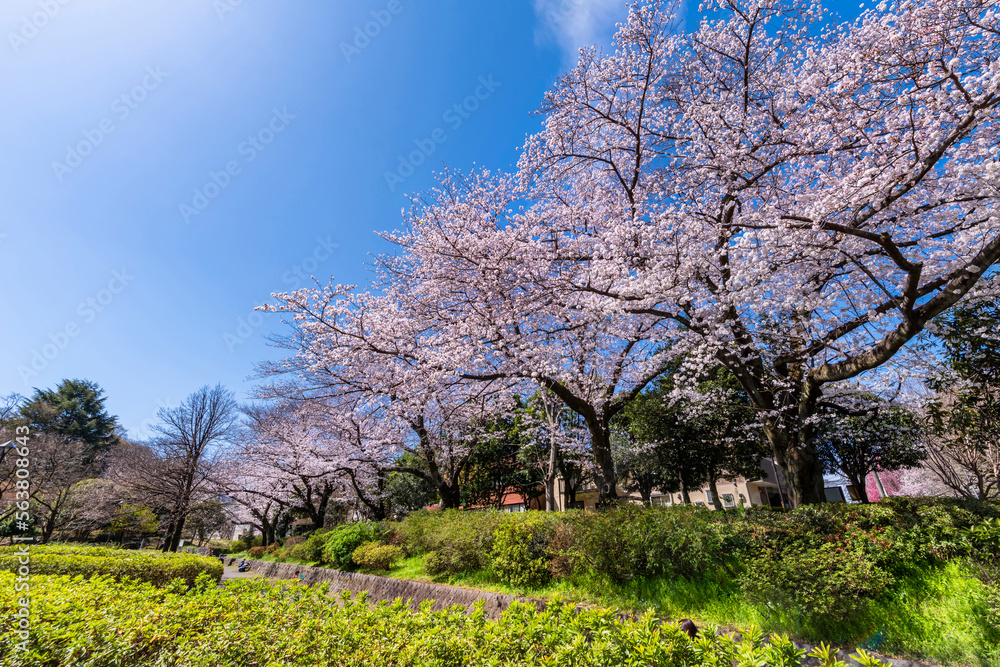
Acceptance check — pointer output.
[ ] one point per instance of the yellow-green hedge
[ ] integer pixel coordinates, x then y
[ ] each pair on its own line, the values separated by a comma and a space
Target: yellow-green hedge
253, 623
152, 566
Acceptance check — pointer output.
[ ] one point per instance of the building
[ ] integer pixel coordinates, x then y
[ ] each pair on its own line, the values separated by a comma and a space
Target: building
770, 490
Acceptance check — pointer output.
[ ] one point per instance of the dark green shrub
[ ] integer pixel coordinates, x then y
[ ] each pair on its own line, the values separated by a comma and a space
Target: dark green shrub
630, 541
825, 584
561, 548
464, 539
437, 563
519, 556
343, 540
309, 549
376, 556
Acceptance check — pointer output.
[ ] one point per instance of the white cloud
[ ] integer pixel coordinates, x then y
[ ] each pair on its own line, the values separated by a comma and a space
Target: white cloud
577, 23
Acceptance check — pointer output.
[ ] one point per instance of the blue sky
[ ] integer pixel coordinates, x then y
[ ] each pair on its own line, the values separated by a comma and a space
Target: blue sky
167, 164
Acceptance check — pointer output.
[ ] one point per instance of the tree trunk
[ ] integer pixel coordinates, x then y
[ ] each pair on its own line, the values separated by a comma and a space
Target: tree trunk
175, 538
324, 501
790, 432
167, 537
713, 487
685, 494
550, 493
799, 461
451, 495
604, 475
859, 484
268, 537
552, 417
804, 475
50, 525
550, 475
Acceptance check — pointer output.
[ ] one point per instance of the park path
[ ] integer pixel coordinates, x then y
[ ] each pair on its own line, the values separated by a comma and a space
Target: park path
233, 573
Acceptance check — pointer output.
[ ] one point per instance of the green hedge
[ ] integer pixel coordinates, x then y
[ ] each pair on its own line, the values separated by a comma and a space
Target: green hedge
151, 566
252, 623
772, 555
341, 542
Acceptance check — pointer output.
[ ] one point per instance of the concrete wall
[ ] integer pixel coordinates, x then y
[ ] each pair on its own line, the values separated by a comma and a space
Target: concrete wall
384, 588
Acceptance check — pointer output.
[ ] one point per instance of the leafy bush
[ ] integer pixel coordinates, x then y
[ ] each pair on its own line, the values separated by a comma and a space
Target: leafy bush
308, 549
343, 540
518, 556
564, 539
462, 540
630, 541
377, 556
437, 563
255, 623
293, 540
825, 584
245, 543
256, 552
151, 566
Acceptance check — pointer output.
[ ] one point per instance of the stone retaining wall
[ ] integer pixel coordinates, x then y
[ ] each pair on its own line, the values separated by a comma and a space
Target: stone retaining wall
384, 588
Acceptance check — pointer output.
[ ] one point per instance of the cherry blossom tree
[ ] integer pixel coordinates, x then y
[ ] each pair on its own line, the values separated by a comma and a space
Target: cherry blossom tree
379, 367
491, 281
566, 445
798, 198
252, 499
288, 443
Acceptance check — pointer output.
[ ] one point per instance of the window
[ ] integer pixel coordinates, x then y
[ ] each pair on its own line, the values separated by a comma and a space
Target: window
708, 496
727, 500
834, 494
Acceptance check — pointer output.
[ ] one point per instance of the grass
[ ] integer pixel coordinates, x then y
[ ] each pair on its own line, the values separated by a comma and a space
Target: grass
929, 615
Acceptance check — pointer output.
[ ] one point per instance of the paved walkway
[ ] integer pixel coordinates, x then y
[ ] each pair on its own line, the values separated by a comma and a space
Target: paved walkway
234, 573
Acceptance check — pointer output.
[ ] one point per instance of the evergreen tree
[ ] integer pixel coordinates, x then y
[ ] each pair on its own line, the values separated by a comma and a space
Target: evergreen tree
74, 411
